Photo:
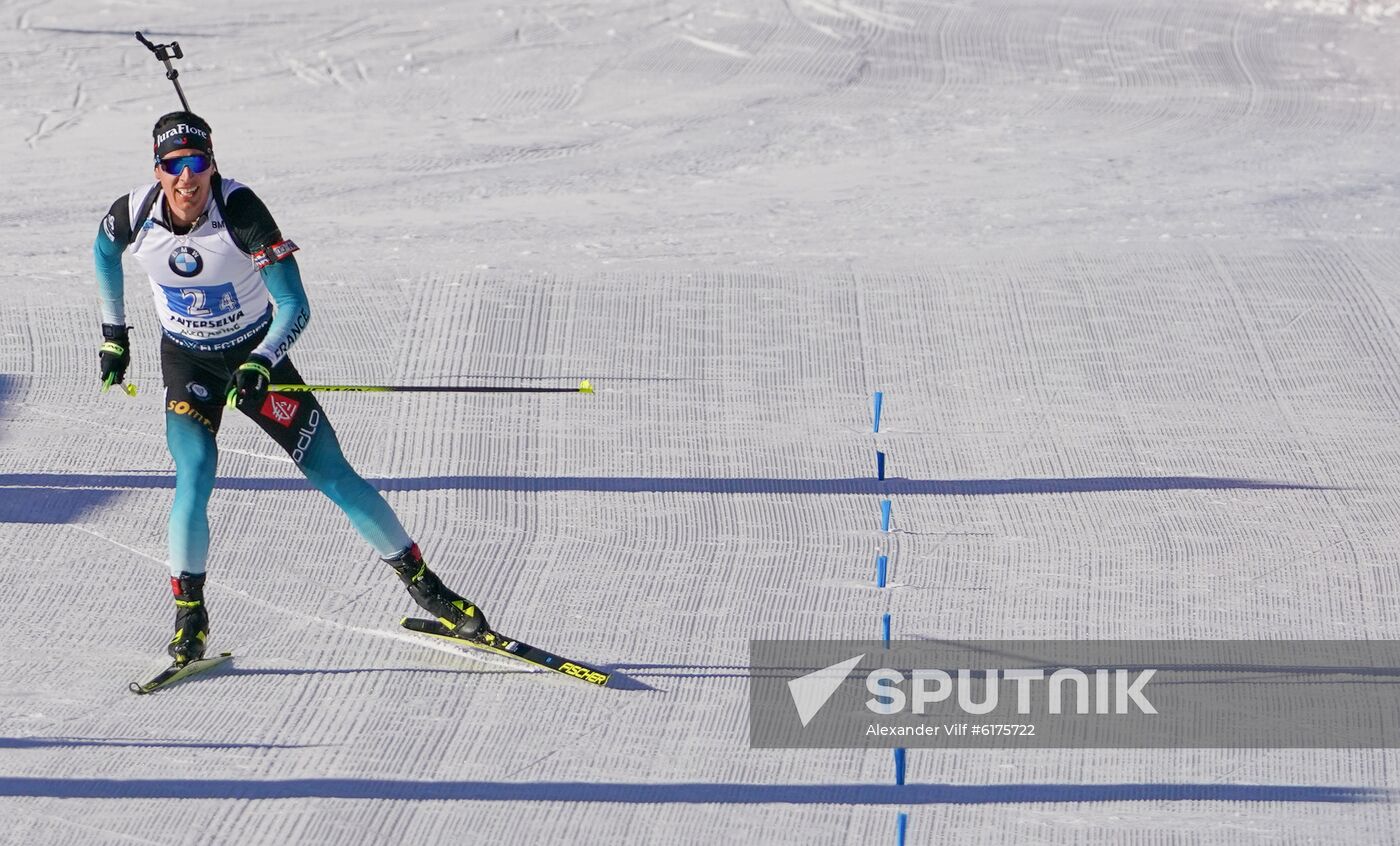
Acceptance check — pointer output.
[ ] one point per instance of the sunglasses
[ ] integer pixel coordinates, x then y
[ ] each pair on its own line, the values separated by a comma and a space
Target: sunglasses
197, 163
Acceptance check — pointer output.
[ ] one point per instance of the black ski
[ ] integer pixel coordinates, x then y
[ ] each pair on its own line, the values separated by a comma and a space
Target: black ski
176, 673
498, 644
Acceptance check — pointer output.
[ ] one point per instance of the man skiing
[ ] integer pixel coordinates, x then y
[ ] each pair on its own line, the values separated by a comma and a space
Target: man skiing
231, 304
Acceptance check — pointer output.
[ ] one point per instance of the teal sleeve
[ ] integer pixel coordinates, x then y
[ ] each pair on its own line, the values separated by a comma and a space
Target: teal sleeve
291, 311
107, 255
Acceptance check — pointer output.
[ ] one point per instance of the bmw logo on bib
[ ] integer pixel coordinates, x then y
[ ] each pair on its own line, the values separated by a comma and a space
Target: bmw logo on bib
186, 262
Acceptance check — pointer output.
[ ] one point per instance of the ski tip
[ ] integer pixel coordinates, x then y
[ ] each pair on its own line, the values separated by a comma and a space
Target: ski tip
585, 387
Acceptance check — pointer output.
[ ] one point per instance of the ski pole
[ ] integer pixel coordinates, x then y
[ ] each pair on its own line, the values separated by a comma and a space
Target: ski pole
166, 52
584, 387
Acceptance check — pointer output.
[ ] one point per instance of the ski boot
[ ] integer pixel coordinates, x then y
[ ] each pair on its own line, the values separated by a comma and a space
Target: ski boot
454, 612
191, 619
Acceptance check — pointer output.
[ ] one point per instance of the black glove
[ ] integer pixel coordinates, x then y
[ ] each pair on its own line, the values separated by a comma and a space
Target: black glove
115, 354
249, 385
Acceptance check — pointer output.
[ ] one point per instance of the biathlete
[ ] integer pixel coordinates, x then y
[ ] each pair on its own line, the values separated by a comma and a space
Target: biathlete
231, 304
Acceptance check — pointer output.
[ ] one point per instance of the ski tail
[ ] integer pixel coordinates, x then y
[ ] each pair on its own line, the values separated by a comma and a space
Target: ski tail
178, 672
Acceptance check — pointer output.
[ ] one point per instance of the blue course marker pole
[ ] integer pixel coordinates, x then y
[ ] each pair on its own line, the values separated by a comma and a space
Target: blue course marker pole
882, 564
899, 766
879, 401
885, 629
880, 466
901, 828
884, 515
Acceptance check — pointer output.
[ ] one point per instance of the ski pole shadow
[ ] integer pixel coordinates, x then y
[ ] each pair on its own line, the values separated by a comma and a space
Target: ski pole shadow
136, 742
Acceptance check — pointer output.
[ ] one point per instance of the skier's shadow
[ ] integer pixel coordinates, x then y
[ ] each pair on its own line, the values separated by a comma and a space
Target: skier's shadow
41, 502
65, 497
688, 794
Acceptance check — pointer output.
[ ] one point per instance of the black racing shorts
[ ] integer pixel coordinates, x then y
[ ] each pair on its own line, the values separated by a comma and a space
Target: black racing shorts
196, 385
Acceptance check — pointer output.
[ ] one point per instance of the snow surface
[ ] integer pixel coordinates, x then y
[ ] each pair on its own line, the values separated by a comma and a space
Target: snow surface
1125, 270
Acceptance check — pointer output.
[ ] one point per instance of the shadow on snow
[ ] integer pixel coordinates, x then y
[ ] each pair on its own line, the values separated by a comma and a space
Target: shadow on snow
79, 742
64, 497
694, 793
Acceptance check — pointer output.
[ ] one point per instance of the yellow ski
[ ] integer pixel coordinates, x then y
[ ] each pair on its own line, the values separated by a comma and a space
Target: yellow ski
498, 644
